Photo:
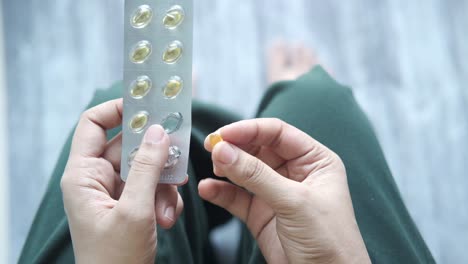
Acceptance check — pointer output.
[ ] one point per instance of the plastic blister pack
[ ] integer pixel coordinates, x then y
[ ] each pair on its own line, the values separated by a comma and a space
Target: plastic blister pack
158, 80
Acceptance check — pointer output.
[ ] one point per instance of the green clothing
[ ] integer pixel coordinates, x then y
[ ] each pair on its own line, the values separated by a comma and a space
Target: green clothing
314, 103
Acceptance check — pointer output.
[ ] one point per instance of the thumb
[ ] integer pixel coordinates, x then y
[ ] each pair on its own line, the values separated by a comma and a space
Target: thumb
252, 174
147, 165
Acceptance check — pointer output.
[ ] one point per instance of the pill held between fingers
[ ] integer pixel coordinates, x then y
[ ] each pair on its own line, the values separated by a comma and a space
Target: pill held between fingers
215, 139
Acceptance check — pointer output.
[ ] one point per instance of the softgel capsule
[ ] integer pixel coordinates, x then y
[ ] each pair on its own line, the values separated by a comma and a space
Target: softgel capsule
157, 80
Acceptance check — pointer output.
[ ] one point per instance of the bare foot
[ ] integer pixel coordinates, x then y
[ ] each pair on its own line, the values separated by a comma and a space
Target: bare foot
286, 62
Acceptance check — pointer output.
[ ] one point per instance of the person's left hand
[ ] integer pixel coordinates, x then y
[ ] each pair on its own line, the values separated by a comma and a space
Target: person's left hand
112, 221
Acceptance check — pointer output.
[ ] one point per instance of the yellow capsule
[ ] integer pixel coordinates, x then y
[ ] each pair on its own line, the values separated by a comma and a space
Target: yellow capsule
173, 87
173, 157
173, 52
131, 157
172, 122
140, 87
138, 122
174, 17
141, 17
140, 52
215, 139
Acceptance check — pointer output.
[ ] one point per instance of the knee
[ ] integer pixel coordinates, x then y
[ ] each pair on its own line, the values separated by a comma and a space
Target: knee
315, 103
318, 84
314, 92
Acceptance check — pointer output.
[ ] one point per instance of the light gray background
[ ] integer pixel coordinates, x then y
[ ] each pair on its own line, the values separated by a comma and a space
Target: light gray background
4, 186
404, 59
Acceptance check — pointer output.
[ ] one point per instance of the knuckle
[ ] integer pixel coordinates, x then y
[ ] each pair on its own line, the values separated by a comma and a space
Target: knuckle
83, 117
144, 162
64, 182
276, 121
135, 215
334, 161
253, 170
278, 125
89, 114
335, 157
68, 180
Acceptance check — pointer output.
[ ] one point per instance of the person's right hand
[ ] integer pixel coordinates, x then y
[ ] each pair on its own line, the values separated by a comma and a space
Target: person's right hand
291, 192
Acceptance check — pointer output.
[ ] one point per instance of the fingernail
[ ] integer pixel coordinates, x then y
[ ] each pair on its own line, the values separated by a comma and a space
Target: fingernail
169, 213
227, 155
154, 134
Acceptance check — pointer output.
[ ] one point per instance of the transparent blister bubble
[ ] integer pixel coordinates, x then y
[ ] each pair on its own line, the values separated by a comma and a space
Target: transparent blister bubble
173, 157
173, 52
132, 156
174, 17
174, 154
140, 87
141, 52
173, 87
139, 121
141, 17
172, 122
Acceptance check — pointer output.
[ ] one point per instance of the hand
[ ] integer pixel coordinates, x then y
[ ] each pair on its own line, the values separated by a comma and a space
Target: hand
290, 190
112, 221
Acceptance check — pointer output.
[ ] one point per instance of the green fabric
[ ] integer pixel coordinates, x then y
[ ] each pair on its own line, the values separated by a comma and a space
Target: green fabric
316, 104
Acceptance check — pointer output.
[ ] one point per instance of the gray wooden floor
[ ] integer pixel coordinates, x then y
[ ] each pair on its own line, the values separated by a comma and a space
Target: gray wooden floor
404, 59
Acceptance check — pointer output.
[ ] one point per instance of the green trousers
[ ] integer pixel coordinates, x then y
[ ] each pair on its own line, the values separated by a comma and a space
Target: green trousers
314, 103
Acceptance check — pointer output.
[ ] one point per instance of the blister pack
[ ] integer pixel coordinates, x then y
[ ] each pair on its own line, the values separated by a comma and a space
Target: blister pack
157, 77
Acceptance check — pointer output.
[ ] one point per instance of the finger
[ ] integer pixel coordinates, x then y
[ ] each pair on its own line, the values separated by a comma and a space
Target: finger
90, 136
179, 207
226, 195
144, 175
238, 202
286, 141
252, 174
166, 204
183, 182
113, 151
265, 154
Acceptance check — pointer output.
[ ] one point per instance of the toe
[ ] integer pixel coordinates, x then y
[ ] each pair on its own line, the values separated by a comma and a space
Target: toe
277, 60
